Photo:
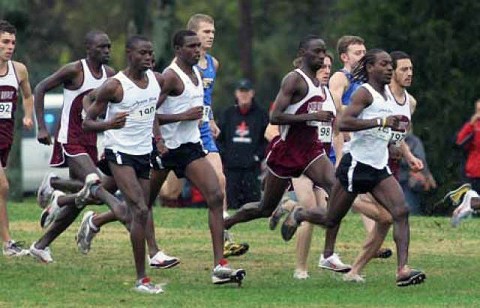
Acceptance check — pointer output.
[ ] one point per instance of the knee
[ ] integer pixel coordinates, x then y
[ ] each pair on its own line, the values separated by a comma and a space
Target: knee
400, 212
215, 198
385, 219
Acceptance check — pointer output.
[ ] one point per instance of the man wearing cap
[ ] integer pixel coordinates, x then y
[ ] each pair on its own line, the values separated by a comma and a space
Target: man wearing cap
242, 145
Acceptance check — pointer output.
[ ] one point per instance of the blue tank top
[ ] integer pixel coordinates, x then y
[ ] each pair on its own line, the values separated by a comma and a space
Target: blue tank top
208, 79
352, 87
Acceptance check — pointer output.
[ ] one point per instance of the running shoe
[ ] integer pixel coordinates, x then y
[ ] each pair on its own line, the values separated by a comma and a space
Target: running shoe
86, 233
333, 263
384, 253
50, 213
161, 260
223, 273
144, 285
85, 194
455, 197
290, 225
278, 214
230, 248
410, 278
43, 255
353, 278
45, 190
14, 249
464, 210
300, 275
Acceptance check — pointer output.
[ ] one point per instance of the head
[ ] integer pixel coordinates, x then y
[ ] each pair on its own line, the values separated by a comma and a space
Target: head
350, 50
7, 40
204, 26
312, 52
323, 74
139, 51
98, 45
244, 93
375, 65
402, 68
187, 46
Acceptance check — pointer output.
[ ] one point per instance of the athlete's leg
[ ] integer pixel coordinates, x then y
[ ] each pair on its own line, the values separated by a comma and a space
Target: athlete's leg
4, 188
273, 192
216, 161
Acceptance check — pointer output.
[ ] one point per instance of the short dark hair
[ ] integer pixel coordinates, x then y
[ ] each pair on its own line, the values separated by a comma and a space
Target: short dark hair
134, 39
5, 26
398, 55
91, 35
178, 38
306, 40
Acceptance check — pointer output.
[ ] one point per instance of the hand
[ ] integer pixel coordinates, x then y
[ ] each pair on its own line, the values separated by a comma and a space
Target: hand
322, 116
194, 113
475, 117
27, 123
415, 164
43, 137
161, 147
118, 120
214, 128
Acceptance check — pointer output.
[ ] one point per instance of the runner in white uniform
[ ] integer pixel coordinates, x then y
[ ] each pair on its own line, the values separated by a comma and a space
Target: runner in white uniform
133, 95
370, 116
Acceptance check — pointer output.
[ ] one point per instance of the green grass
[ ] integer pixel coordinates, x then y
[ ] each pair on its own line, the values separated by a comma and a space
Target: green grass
105, 277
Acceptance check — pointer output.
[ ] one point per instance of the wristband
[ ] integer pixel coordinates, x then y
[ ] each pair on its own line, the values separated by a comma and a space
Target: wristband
384, 122
379, 122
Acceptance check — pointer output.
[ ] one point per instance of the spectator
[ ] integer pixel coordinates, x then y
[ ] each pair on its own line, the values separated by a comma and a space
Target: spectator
469, 139
415, 182
242, 145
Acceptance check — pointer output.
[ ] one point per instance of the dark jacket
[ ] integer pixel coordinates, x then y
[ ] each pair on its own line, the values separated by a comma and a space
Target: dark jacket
241, 141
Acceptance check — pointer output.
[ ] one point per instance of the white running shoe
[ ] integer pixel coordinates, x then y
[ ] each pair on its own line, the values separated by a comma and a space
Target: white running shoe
50, 213
43, 255
333, 263
144, 285
86, 233
300, 275
14, 249
464, 210
161, 260
84, 194
45, 190
223, 273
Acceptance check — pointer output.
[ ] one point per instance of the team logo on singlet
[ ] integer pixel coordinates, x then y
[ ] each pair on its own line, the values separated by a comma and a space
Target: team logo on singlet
207, 82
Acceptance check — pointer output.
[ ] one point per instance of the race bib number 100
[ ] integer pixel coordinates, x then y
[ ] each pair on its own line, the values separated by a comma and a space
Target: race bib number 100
6, 110
325, 132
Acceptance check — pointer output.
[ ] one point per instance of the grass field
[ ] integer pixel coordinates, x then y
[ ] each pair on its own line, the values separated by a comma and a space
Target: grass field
105, 277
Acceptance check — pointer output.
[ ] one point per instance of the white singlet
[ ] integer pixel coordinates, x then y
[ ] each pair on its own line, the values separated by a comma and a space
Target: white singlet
370, 146
178, 133
135, 138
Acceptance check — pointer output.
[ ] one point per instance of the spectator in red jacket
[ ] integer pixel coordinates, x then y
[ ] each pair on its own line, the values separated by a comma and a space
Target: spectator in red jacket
469, 138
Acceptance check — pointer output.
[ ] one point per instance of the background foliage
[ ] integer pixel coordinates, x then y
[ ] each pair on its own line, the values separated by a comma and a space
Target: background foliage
441, 37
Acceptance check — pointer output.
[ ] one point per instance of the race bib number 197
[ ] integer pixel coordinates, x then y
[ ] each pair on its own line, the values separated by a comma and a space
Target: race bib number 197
6, 110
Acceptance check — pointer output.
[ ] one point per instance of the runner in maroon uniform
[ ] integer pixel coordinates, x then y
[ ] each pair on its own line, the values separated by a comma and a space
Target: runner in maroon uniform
13, 75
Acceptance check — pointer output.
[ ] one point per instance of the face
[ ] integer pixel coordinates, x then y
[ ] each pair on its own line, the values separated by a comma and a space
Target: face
354, 53
190, 51
244, 97
382, 69
314, 54
140, 56
99, 48
477, 107
323, 74
206, 34
403, 73
7, 46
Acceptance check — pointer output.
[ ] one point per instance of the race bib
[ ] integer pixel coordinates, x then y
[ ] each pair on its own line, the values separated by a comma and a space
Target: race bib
325, 132
6, 110
384, 133
206, 114
397, 136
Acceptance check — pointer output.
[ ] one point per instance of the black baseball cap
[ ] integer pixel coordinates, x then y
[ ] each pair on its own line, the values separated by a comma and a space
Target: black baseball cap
244, 84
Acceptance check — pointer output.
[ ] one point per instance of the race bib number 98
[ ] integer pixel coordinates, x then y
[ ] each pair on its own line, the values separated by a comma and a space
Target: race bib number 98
325, 131
6, 110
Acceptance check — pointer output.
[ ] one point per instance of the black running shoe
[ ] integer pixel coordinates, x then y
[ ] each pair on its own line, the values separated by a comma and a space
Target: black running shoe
413, 277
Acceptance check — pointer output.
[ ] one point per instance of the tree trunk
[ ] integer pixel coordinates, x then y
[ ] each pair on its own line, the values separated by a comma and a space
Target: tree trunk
245, 39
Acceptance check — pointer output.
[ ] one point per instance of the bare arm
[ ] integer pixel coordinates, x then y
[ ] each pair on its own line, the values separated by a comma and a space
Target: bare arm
64, 76
109, 92
271, 132
291, 91
27, 97
413, 104
338, 84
